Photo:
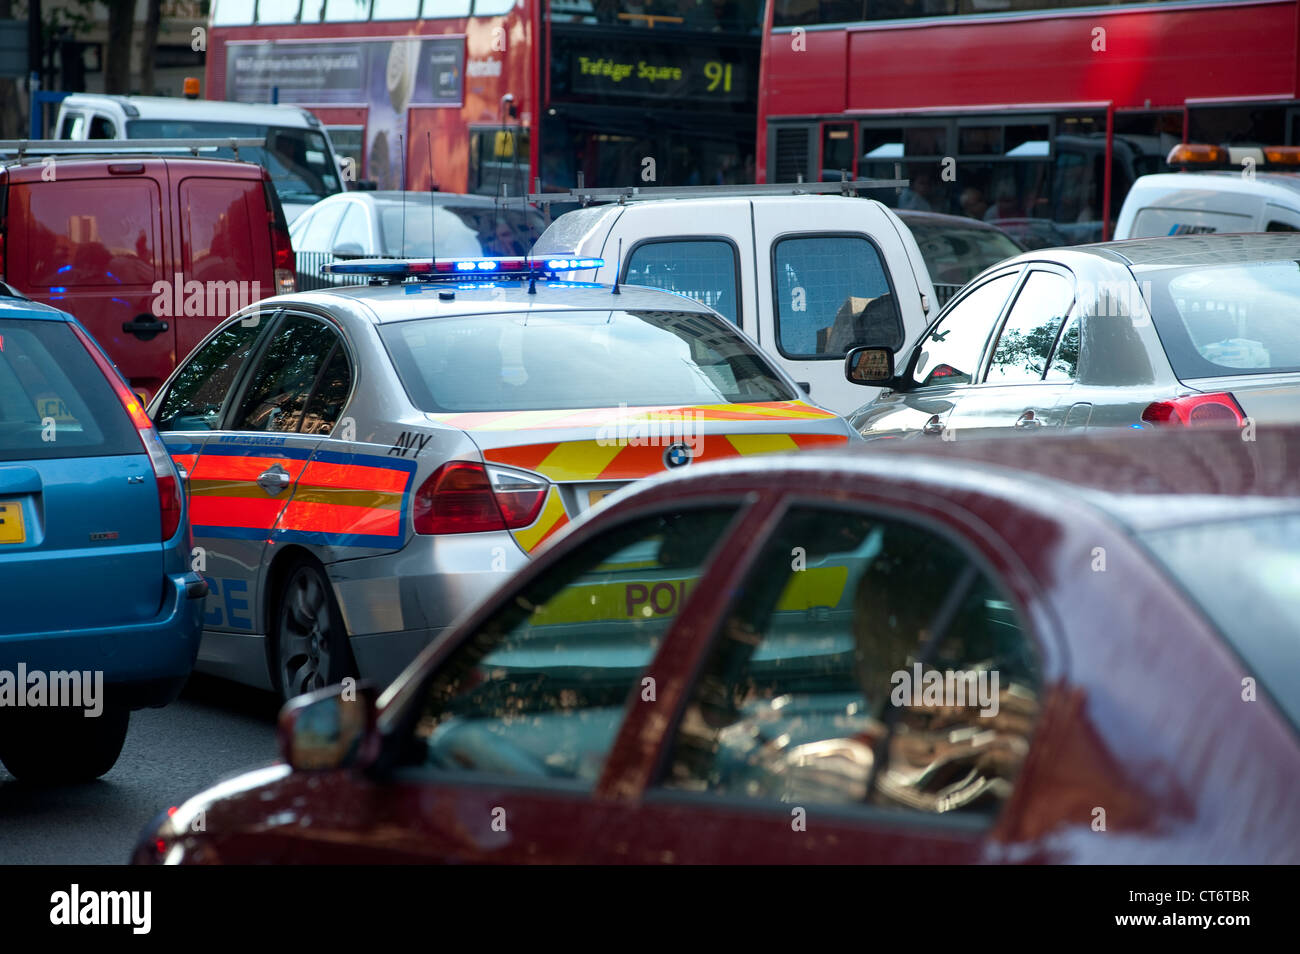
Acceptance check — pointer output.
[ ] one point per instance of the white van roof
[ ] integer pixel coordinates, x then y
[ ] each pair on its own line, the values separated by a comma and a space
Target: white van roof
1280, 187
195, 110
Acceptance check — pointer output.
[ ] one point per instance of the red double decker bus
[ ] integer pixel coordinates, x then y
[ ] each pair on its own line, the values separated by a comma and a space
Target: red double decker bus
1035, 114
653, 92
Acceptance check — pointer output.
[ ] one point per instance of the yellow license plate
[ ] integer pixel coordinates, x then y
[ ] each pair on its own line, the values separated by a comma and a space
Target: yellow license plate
596, 496
11, 522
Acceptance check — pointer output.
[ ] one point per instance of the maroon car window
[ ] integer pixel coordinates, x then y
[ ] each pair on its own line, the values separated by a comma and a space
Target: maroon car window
540, 690
837, 680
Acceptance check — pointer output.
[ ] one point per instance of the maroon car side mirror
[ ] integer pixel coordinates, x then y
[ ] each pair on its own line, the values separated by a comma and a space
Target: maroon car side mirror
331, 728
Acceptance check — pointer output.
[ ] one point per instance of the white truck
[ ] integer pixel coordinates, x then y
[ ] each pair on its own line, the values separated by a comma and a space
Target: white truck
299, 155
1190, 203
808, 277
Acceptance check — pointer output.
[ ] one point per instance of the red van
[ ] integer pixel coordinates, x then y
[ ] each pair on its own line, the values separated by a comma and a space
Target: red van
148, 252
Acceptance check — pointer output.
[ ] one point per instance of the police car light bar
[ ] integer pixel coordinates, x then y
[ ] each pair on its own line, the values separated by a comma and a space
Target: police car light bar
461, 267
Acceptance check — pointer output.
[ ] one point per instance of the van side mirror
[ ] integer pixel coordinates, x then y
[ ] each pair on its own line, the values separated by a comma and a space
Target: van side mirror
870, 366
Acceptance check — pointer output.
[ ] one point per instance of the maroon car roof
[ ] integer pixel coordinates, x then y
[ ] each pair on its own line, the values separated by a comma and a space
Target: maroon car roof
1130, 474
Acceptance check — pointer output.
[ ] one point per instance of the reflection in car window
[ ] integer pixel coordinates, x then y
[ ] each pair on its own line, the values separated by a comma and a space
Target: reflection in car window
199, 390
330, 395
298, 160
1030, 329
283, 380
832, 294
825, 665
950, 351
54, 402
577, 359
1227, 319
1065, 362
540, 690
318, 233
954, 255
701, 269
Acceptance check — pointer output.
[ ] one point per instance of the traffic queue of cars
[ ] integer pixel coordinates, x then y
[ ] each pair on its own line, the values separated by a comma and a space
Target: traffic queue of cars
538, 502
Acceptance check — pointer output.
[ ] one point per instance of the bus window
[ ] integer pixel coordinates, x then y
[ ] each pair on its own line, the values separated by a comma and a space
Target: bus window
346, 11
233, 12
277, 11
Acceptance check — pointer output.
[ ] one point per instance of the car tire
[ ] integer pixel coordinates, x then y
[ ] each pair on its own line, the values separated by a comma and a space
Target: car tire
310, 645
62, 746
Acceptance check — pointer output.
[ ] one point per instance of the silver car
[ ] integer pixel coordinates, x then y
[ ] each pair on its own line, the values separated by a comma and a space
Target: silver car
1182, 331
364, 463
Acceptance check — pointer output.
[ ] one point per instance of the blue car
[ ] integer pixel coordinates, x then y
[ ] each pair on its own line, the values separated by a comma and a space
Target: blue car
100, 613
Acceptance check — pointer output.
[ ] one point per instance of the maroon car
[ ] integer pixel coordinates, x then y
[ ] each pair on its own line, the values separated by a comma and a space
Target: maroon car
1057, 649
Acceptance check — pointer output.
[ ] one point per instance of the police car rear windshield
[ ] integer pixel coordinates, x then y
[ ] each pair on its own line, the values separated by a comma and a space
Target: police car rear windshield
558, 360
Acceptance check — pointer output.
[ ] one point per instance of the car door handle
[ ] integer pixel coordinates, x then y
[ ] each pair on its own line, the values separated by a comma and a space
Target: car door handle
933, 426
274, 480
144, 327
1028, 419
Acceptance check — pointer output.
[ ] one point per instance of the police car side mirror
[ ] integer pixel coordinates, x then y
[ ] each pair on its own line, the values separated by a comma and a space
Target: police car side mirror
873, 367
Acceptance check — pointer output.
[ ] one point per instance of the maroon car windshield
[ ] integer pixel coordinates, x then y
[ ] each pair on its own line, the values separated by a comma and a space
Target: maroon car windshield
1245, 576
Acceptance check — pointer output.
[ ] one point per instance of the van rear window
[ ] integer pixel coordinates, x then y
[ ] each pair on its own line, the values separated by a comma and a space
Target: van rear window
54, 402
89, 232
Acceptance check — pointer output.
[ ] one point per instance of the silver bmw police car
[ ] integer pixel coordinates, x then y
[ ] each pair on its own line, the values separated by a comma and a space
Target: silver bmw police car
366, 462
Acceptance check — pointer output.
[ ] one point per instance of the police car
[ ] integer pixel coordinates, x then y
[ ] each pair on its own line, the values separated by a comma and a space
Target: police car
364, 463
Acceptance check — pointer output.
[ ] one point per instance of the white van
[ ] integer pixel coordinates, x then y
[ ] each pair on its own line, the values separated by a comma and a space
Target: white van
806, 276
298, 154
1189, 203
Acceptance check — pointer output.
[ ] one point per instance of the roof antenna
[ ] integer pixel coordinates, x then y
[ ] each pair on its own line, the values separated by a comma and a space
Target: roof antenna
618, 266
433, 206
402, 146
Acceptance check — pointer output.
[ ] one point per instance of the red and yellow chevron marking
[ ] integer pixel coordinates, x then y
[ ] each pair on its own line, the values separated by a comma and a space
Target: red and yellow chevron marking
551, 519
599, 417
347, 498
596, 460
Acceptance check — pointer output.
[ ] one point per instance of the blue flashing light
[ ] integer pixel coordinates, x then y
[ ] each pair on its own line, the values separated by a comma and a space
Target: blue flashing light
518, 266
64, 268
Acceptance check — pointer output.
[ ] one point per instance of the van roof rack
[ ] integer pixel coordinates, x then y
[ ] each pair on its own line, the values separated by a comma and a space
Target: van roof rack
122, 147
625, 194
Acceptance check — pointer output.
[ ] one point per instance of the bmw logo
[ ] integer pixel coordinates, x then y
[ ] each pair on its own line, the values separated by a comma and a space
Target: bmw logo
677, 455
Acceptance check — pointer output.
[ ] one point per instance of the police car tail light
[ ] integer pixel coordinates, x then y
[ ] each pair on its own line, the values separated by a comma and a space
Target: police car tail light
519, 496
170, 504
466, 497
1196, 410
462, 267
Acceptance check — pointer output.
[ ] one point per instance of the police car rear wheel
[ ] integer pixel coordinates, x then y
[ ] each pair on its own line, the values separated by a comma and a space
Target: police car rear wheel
311, 646
61, 746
